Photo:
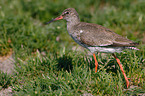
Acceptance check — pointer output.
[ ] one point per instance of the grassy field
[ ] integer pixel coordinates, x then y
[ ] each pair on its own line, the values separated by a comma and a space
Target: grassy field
46, 62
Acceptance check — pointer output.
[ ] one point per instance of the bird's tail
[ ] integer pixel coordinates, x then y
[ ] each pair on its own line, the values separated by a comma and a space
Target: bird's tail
133, 48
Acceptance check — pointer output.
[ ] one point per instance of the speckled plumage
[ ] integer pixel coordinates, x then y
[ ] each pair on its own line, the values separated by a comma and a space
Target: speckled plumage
91, 35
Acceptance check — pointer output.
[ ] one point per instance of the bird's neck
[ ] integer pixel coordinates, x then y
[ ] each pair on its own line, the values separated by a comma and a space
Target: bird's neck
72, 22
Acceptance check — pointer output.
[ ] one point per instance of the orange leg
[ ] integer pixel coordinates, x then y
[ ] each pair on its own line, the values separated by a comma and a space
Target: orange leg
118, 61
96, 63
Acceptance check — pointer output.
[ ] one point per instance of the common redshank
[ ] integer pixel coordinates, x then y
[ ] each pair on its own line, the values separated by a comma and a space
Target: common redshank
95, 38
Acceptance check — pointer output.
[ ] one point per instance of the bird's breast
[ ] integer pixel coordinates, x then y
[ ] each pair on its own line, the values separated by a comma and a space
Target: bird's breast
75, 34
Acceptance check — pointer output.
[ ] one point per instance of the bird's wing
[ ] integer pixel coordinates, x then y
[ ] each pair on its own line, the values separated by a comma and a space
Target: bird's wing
97, 35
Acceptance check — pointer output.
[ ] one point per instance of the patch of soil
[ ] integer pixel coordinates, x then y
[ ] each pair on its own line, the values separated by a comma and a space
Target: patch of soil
6, 92
7, 63
7, 66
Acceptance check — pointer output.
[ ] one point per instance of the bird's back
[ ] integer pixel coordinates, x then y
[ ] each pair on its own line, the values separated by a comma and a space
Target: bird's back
97, 35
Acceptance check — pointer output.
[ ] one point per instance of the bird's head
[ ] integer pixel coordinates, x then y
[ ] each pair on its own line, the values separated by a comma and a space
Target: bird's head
69, 14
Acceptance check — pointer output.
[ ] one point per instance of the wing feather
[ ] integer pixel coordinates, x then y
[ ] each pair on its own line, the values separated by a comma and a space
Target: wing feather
97, 35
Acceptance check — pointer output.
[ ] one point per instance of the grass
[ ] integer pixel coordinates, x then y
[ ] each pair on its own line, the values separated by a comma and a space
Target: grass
47, 65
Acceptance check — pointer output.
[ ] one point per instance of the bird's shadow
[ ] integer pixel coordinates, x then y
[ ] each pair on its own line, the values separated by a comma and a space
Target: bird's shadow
65, 63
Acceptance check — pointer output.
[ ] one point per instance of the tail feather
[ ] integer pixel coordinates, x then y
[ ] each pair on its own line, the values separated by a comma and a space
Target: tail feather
133, 48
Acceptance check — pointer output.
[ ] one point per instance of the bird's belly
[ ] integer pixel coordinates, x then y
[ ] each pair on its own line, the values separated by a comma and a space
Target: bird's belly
106, 49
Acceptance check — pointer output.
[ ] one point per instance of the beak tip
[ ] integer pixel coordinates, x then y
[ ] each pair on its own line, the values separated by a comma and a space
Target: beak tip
48, 22
58, 18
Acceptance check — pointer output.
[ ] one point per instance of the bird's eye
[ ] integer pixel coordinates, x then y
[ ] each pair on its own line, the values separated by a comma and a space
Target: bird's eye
67, 12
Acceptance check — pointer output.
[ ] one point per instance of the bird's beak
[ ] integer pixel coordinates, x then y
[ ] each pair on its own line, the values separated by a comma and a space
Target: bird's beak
57, 18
